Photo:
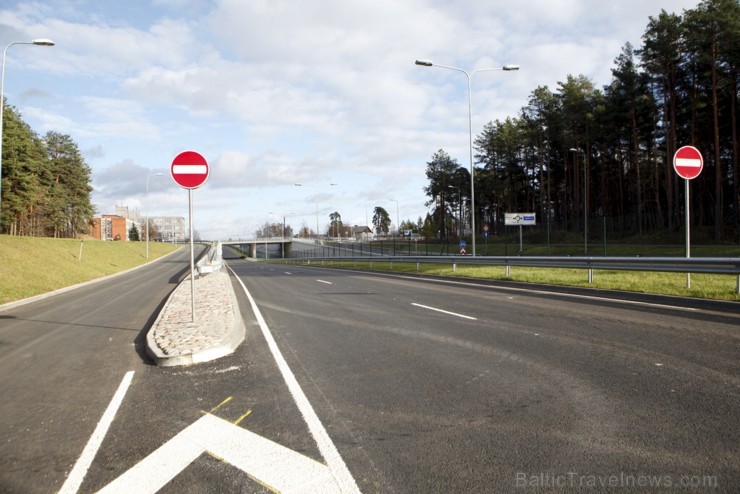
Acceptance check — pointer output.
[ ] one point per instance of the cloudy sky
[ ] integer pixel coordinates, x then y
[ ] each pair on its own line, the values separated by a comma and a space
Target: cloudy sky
275, 92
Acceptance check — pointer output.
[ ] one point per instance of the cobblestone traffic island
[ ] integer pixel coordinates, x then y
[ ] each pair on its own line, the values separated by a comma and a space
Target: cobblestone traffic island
217, 331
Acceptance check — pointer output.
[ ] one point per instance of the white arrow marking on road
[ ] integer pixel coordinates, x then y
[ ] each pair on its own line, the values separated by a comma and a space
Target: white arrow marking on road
274, 465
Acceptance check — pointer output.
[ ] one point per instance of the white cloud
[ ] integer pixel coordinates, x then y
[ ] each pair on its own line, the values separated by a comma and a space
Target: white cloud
278, 92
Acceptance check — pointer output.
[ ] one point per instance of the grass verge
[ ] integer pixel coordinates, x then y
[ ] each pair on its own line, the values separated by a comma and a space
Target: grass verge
31, 266
709, 286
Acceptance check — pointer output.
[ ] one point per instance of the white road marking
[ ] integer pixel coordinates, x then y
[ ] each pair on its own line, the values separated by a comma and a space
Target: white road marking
77, 475
545, 292
445, 312
328, 450
288, 273
325, 282
271, 464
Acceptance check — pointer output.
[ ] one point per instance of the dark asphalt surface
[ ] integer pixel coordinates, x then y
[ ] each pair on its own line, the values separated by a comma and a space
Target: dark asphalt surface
61, 360
537, 390
538, 393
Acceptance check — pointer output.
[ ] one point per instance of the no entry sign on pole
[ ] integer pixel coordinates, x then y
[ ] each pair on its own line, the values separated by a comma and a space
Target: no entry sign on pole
688, 162
189, 170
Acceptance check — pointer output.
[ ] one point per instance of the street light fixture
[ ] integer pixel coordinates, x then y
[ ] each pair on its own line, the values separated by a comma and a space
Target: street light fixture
146, 209
284, 215
317, 207
37, 42
468, 75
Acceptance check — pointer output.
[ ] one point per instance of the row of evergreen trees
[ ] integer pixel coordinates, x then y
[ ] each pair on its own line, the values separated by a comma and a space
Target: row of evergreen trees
679, 88
46, 184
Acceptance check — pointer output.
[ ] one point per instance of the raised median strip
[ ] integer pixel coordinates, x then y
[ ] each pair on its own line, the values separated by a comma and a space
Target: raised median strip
217, 331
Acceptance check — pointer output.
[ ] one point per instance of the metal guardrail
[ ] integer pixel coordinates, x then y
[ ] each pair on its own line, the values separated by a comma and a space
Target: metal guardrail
709, 265
714, 265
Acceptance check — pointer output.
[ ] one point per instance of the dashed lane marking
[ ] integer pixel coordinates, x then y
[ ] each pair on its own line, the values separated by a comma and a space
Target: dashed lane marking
445, 312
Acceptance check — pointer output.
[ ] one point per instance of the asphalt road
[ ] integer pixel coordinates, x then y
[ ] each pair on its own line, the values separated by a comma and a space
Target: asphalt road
538, 390
62, 358
506, 390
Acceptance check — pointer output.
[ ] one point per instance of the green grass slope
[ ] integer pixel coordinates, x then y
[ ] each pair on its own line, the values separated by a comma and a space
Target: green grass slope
30, 266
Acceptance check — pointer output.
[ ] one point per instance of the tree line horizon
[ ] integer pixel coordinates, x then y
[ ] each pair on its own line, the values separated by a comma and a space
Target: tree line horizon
581, 152
573, 154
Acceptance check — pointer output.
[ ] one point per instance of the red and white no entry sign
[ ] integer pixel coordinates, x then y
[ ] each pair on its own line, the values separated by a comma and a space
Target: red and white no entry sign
688, 162
189, 170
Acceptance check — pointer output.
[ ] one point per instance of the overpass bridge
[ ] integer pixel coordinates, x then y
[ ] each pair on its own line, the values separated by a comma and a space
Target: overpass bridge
249, 247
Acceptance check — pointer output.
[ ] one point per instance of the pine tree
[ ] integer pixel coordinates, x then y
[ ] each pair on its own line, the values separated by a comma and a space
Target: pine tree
70, 188
23, 171
133, 233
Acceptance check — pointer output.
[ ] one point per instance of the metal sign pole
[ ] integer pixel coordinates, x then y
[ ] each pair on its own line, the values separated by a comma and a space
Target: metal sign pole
688, 164
192, 257
190, 170
688, 234
521, 244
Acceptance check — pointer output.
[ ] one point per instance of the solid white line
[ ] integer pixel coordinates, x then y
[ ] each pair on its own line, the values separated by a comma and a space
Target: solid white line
77, 475
445, 312
325, 282
189, 169
328, 450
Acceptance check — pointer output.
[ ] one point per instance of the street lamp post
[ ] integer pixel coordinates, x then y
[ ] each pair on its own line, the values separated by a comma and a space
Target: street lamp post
317, 207
284, 215
37, 42
468, 75
146, 210
282, 234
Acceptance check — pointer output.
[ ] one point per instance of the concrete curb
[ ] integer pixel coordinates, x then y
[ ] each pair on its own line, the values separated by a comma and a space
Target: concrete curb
223, 313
